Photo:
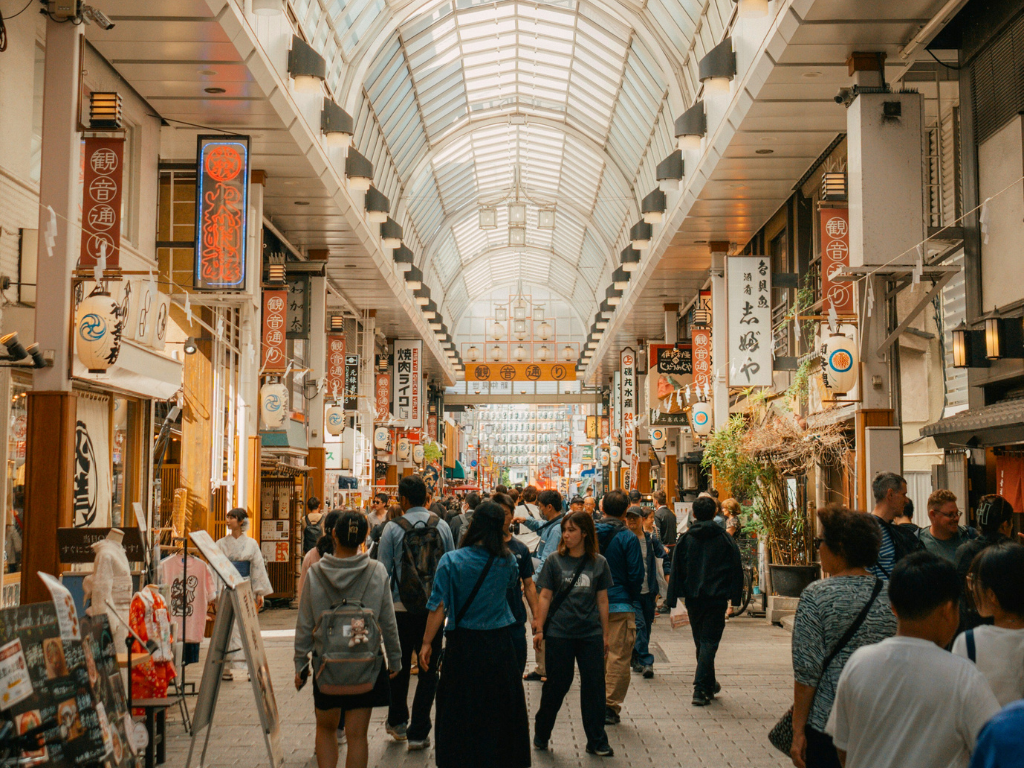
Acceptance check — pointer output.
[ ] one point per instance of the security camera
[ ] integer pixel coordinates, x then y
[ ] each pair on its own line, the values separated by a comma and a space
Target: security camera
846, 96
97, 16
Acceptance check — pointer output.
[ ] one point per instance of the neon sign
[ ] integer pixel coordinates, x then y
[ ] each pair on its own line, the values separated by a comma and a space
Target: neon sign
222, 205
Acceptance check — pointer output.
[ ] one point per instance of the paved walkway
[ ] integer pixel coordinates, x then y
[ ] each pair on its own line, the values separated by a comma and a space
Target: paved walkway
659, 725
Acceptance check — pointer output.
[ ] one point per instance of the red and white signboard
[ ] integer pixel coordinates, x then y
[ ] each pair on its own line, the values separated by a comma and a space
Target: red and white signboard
382, 396
432, 426
835, 254
701, 338
275, 358
101, 202
409, 383
335, 387
628, 368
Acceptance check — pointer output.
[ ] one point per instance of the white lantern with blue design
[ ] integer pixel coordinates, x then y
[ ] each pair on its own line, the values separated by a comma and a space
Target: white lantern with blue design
274, 404
839, 364
417, 454
334, 420
381, 438
404, 449
98, 327
700, 419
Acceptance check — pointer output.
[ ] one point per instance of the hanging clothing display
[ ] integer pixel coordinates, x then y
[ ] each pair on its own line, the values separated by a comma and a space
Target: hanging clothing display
110, 582
245, 553
192, 589
150, 620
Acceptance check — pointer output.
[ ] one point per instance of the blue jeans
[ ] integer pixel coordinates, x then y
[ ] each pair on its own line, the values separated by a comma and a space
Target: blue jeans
644, 610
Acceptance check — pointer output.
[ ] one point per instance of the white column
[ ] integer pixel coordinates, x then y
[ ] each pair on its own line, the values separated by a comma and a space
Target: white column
317, 356
58, 183
671, 314
720, 339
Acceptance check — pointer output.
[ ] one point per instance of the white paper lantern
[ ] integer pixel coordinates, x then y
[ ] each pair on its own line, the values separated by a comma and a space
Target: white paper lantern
605, 459
274, 405
616, 453
839, 364
98, 327
381, 438
404, 449
120, 413
700, 418
658, 437
417, 454
334, 420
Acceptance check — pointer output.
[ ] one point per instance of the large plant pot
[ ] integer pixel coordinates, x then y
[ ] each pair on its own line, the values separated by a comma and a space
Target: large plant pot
791, 580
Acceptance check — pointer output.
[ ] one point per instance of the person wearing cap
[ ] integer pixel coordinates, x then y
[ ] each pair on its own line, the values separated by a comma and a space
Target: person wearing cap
995, 520
653, 556
576, 504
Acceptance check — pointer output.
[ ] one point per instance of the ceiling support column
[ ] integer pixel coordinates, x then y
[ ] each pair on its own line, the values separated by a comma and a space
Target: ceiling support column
719, 335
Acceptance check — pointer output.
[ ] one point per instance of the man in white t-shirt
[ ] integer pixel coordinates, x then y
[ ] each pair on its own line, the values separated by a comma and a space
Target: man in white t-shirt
905, 701
527, 507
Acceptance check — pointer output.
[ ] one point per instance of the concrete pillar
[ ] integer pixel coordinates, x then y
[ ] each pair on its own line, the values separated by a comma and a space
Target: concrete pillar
249, 354
719, 338
317, 356
671, 315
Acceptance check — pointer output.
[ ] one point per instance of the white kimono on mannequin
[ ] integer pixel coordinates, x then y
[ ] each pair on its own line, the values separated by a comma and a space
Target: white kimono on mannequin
245, 549
111, 581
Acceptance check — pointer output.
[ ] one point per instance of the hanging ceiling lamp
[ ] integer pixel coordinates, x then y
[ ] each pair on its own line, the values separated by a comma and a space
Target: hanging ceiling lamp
568, 353
544, 330
497, 331
307, 67
543, 353
377, 206
335, 124
653, 207
496, 353
413, 278
391, 233
669, 172
358, 171
520, 353
473, 353
690, 127
488, 218
403, 257
640, 235
718, 68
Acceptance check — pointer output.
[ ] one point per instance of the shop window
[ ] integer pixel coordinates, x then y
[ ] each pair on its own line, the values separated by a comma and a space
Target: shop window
176, 225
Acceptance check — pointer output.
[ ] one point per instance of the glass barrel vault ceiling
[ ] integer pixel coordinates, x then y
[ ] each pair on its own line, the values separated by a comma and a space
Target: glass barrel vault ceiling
462, 102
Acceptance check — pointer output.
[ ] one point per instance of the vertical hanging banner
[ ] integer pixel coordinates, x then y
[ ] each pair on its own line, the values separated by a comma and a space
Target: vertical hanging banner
408, 383
298, 307
275, 357
627, 366
616, 405
382, 397
432, 428
222, 206
351, 382
591, 431
835, 254
101, 202
604, 428
701, 338
335, 384
749, 281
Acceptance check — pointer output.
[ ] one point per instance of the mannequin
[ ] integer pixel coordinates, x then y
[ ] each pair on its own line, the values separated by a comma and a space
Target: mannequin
151, 621
111, 581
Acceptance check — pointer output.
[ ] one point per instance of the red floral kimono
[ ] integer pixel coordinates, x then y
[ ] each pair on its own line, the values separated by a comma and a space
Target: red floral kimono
150, 620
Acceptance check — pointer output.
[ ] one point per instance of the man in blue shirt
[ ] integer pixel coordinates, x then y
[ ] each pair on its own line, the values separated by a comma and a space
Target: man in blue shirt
621, 549
412, 493
550, 532
1001, 742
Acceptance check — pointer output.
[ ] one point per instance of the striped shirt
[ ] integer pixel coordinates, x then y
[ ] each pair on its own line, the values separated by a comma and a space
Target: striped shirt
826, 610
886, 556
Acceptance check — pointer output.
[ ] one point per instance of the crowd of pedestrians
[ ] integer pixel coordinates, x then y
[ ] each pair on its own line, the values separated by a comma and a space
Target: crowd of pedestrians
903, 654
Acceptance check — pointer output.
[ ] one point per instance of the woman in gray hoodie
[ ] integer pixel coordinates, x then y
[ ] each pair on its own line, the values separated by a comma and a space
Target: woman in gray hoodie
347, 572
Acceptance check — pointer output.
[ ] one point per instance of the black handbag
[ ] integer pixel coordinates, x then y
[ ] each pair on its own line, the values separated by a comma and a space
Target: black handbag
781, 736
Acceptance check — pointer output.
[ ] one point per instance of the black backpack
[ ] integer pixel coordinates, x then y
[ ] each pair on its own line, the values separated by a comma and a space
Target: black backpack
311, 534
422, 549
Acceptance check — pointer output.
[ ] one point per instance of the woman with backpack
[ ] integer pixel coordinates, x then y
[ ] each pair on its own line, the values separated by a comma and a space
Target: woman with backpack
481, 707
344, 611
324, 546
572, 623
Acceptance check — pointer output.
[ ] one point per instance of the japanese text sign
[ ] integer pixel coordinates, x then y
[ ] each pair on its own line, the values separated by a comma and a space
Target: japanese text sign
701, 338
101, 202
835, 254
298, 307
750, 320
335, 366
520, 372
275, 358
627, 366
351, 382
408, 382
222, 206
382, 397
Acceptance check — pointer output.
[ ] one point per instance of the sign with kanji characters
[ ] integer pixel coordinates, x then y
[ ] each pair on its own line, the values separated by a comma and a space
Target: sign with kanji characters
520, 372
408, 378
351, 382
616, 405
670, 372
627, 367
591, 427
275, 357
101, 202
701, 338
298, 307
432, 428
382, 397
835, 254
749, 281
604, 428
335, 376
222, 208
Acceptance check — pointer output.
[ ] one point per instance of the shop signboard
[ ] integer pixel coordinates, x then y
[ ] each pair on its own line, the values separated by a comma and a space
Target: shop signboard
351, 382
432, 428
275, 358
591, 427
835, 254
222, 206
409, 383
627, 367
297, 314
520, 372
701, 339
335, 366
382, 397
101, 202
616, 406
604, 428
749, 280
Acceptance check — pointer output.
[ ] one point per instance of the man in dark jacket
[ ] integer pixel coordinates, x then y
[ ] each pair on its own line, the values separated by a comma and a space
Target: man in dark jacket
706, 574
665, 521
621, 549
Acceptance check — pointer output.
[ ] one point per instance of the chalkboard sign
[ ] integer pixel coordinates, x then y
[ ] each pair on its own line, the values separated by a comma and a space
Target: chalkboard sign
74, 545
108, 689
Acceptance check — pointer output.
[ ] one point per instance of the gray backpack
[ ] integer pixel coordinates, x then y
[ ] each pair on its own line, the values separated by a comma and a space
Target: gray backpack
347, 656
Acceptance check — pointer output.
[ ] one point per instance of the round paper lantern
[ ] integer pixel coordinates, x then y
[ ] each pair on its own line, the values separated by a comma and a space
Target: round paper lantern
404, 449
417, 454
616, 453
381, 438
334, 420
120, 413
839, 364
274, 405
658, 437
605, 459
98, 325
700, 418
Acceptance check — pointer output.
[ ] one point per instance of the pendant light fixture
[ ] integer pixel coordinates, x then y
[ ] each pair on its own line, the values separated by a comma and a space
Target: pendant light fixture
403, 257
335, 123
473, 353
669, 172
640, 235
653, 207
520, 353
690, 128
630, 258
568, 353
358, 171
543, 353
413, 278
496, 353
391, 233
718, 68
613, 295
620, 279
422, 295
497, 331
307, 67
430, 310
377, 206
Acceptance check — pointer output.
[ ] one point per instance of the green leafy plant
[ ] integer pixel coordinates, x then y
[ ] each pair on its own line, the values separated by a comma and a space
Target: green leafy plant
432, 451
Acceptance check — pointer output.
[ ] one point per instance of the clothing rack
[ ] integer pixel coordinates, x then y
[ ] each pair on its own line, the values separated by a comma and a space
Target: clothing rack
181, 687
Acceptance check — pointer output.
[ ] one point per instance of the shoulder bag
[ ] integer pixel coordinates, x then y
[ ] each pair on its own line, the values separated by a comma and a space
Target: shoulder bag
559, 598
781, 736
465, 607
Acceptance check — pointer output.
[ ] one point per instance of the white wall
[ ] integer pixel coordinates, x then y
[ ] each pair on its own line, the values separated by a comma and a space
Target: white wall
1000, 164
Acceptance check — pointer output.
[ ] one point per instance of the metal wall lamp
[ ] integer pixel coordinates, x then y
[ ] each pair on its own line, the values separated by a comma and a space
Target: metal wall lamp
670, 171
968, 348
16, 354
640, 235
613, 295
1004, 338
653, 207
307, 67
690, 128
377, 206
403, 257
717, 69
391, 233
358, 171
430, 310
422, 295
607, 309
620, 279
630, 258
414, 278
336, 124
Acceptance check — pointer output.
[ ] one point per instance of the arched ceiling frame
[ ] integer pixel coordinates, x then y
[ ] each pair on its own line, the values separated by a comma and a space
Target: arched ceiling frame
513, 284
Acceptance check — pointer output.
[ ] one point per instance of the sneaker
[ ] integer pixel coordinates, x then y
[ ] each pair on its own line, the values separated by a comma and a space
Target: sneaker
533, 677
648, 671
718, 690
611, 717
700, 699
397, 732
416, 745
602, 751
637, 668
540, 744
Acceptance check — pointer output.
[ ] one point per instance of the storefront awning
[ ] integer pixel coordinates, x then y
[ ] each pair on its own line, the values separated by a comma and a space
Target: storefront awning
139, 370
458, 472
998, 424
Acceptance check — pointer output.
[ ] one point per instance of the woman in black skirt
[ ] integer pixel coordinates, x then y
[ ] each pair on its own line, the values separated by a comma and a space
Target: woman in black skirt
346, 574
481, 709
